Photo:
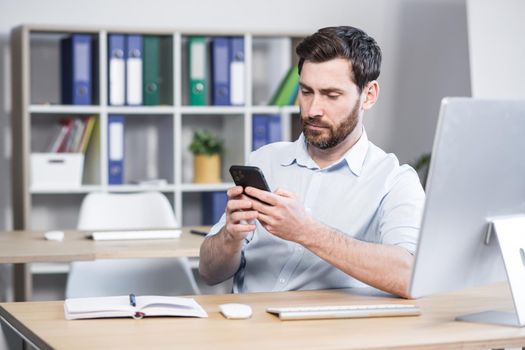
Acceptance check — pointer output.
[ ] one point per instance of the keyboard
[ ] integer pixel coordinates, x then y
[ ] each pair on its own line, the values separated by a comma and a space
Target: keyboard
135, 234
343, 311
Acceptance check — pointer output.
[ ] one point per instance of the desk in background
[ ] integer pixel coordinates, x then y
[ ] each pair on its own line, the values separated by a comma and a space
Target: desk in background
23, 247
43, 324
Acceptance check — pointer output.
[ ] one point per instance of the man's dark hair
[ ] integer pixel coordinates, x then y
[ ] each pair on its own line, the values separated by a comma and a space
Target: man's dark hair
343, 42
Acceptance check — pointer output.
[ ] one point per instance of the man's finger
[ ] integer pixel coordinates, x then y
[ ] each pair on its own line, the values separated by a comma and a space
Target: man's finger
244, 215
235, 205
234, 191
263, 196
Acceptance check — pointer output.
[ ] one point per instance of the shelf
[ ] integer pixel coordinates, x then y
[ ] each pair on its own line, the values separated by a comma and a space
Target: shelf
150, 110
64, 109
206, 187
207, 110
274, 109
66, 190
155, 138
49, 268
137, 188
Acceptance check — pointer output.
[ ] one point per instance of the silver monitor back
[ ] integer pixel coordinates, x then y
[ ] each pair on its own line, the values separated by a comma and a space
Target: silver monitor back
477, 172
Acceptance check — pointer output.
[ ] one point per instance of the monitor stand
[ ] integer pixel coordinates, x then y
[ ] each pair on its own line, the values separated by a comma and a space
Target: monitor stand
510, 231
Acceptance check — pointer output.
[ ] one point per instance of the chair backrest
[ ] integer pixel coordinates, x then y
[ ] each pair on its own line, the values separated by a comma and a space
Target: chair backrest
106, 211
143, 210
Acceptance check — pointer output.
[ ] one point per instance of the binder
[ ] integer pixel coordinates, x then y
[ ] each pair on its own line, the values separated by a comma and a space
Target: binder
115, 149
288, 88
220, 55
265, 129
76, 69
237, 87
134, 70
213, 206
60, 142
274, 128
198, 71
151, 70
259, 131
86, 135
117, 69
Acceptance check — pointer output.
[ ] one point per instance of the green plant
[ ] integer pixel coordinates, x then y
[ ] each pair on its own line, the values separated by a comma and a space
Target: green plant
204, 142
421, 166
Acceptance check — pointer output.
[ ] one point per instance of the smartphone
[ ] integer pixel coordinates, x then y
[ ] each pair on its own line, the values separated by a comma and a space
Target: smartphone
249, 176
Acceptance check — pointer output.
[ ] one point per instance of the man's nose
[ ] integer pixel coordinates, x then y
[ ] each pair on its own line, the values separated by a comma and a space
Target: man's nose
316, 107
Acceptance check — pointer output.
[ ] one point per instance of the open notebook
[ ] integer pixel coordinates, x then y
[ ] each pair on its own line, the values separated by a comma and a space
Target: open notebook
120, 306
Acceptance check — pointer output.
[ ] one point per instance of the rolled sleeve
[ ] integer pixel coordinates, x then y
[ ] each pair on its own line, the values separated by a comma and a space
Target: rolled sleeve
401, 211
218, 226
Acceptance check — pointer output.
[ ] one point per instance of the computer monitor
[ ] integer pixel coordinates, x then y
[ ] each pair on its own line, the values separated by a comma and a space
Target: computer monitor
476, 181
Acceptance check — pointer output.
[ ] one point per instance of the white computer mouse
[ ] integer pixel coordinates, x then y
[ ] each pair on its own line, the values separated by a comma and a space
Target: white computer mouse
236, 311
54, 235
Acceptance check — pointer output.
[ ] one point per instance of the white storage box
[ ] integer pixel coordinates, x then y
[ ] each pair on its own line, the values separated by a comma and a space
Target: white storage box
52, 170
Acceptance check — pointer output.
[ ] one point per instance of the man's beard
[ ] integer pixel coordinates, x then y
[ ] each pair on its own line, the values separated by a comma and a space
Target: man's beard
335, 134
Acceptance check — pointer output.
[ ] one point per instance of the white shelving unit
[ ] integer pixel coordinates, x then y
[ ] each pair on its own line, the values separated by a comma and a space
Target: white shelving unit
156, 137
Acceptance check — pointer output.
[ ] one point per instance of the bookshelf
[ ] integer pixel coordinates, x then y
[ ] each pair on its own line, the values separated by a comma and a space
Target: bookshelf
156, 137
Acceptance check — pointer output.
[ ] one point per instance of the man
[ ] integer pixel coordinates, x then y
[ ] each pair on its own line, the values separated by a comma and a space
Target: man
344, 212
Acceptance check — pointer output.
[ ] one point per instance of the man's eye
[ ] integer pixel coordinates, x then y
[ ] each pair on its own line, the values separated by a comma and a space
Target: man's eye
304, 92
333, 97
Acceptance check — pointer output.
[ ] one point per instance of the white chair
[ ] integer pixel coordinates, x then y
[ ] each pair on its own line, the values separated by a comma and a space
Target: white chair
144, 210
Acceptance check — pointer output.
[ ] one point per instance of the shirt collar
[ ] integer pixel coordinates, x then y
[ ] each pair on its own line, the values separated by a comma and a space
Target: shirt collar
354, 157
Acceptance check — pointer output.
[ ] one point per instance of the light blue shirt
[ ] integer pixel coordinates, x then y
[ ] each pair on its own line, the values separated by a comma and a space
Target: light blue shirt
366, 195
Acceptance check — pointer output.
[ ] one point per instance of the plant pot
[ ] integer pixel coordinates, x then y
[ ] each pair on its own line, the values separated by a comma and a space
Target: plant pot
206, 169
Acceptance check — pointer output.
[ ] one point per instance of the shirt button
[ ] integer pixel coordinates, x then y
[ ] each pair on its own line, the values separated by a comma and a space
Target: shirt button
282, 280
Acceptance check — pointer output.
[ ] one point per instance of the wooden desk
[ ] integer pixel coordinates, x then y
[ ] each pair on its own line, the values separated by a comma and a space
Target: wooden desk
22, 247
43, 324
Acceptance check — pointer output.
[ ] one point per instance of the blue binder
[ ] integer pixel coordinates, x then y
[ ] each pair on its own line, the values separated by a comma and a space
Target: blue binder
220, 52
213, 206
265, 129
274, 128
116, 69
115, 149
76, 69
134, 61
259, 131
237, 74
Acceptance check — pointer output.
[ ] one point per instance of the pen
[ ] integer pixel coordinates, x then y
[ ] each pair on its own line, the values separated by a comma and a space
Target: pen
198, 232
132, 300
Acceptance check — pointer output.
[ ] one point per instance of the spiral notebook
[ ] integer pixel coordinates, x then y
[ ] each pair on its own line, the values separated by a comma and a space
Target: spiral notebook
131, 306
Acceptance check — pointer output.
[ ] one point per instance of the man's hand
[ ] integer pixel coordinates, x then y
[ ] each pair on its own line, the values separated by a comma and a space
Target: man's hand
239, 215
281, 214
220, 255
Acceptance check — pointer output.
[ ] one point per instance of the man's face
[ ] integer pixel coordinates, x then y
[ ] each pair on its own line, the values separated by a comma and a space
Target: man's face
329, 101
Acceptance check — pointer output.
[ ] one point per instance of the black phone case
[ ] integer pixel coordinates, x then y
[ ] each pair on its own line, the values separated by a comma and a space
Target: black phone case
244, 175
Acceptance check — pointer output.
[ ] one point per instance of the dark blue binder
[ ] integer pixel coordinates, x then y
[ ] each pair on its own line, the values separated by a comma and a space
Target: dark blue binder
259, 131
237, 68
265, 129
220, 53
76, 69
274, 128
213, 206
115, 149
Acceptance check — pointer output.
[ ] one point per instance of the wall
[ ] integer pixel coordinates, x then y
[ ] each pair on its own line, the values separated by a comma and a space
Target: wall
495, 31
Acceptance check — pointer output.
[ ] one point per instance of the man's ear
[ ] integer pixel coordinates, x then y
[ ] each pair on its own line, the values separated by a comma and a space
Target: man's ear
370, 94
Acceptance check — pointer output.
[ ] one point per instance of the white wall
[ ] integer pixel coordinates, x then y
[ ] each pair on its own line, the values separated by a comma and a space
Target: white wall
496, 32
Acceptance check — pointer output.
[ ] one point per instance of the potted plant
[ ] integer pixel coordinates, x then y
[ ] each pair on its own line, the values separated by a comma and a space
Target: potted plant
207, 149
